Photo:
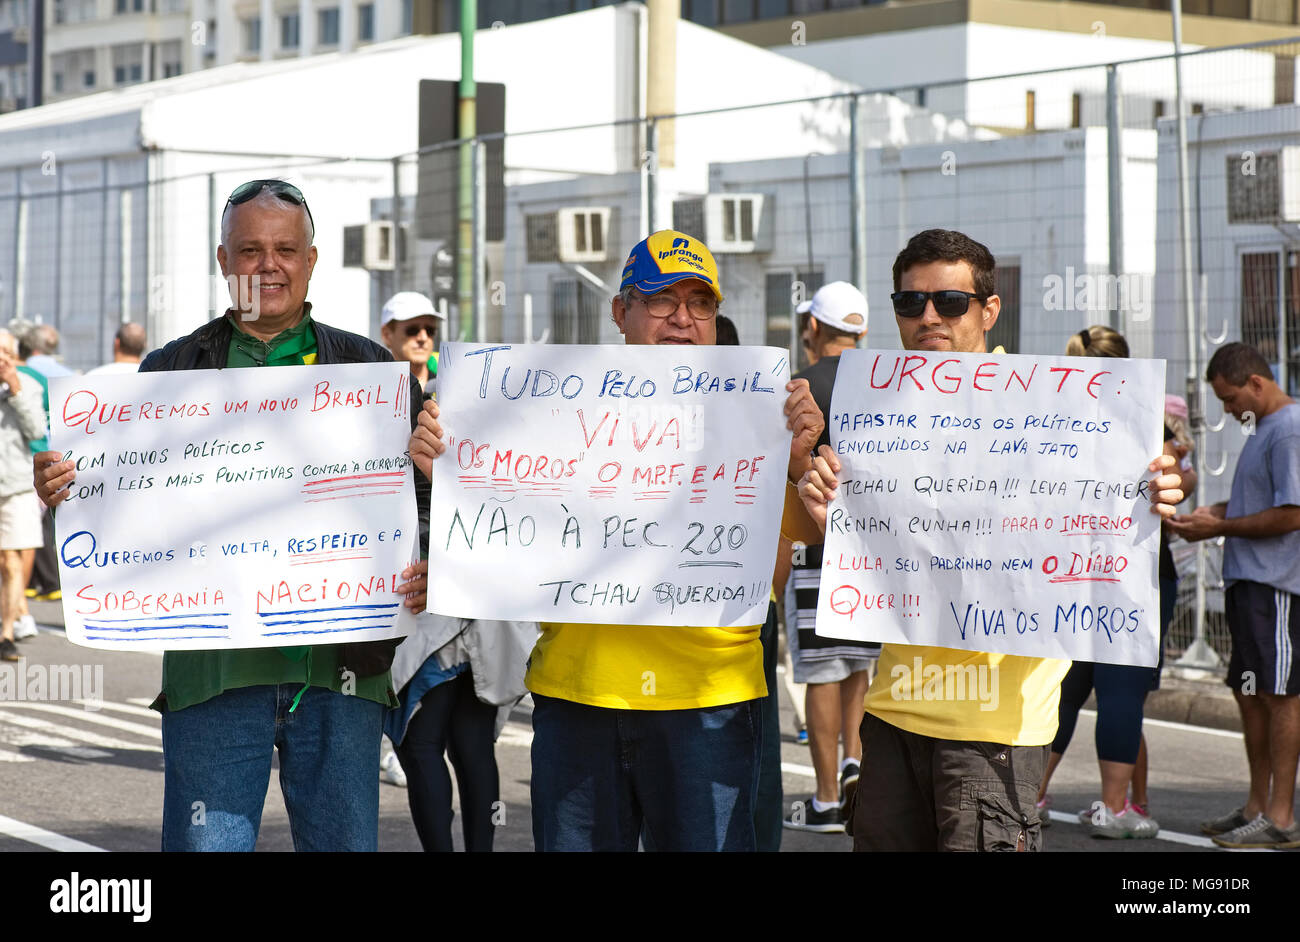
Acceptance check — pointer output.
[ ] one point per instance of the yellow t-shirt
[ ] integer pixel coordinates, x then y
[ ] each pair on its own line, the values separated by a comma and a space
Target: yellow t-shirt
946, 693
636, 667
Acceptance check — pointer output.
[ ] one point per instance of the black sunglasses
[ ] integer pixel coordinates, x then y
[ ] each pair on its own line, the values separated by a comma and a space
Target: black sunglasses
948, 303
286, 191
413, 330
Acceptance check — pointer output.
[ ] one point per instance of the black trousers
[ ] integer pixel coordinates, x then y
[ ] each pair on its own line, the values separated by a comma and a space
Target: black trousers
452, 720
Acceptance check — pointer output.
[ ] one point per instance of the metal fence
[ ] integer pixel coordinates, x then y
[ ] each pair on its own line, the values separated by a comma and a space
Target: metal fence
1070, 176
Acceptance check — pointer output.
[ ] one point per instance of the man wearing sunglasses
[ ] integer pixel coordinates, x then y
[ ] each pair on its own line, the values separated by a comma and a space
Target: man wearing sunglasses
645, 733
223, 711
948, 774
410, 332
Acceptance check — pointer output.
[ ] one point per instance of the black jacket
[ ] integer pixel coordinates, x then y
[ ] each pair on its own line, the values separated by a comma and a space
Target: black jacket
206, 349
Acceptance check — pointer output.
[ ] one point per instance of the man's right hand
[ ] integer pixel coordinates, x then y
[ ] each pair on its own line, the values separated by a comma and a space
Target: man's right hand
52, 475
818, 486
426, 441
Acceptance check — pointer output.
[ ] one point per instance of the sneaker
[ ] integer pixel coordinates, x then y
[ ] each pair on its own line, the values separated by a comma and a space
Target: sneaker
30, 592
24, 628
1260, 832
1128, 823
392, 770
8, 650
806, 818
54, 595
1044, 810
1229, 822
801, 737
848, 782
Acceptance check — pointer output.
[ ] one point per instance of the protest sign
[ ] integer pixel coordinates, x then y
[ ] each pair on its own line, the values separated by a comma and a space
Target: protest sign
635, 485
995, 503
235, 508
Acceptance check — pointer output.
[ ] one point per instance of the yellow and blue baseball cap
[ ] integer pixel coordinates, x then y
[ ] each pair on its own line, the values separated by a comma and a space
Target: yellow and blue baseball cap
667, 257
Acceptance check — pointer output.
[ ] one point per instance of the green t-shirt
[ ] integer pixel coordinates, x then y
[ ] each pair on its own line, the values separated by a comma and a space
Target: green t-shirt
191, 677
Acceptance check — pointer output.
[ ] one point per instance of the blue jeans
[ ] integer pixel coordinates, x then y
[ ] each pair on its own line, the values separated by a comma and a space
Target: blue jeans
677, 780
217, 765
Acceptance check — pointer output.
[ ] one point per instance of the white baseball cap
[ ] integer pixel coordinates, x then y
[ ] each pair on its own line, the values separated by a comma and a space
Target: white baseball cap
834, 302
408, 304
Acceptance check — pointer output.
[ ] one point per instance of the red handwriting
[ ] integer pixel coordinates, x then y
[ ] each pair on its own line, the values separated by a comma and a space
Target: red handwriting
951, 375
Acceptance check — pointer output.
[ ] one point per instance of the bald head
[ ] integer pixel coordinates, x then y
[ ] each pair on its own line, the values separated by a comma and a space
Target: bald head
129, 343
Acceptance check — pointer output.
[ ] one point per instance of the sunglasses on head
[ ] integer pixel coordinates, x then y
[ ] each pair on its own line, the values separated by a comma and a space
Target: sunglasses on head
948, 303
286, 191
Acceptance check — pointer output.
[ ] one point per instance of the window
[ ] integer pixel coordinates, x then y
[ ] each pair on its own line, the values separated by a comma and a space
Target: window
782, 291
1261, 306
327, 27
169, 54
128, 64
576, 311
289, 24
58, 83
130, 6
366, 22
252, 30
408, 17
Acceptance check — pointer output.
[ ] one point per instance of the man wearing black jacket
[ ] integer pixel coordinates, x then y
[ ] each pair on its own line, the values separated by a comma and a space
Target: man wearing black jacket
322, 706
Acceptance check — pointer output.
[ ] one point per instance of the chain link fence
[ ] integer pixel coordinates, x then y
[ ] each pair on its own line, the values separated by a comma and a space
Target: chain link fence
1069, 176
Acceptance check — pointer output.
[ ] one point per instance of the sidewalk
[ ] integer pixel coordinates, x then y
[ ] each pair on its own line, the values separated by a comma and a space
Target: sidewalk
1199, 698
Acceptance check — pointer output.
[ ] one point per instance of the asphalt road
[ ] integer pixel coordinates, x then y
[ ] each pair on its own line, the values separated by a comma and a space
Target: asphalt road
93, 778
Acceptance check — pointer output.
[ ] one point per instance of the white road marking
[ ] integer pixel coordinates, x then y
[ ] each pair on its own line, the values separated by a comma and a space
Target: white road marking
795, 769
48, 839
91, 716
1185, 727
128, 708
93, 739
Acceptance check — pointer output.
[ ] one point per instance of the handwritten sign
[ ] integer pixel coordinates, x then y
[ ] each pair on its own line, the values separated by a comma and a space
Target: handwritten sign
235, 508
995, 503
630, 485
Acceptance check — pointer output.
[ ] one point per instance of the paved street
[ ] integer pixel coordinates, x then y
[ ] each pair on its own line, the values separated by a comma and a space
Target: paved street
94, 777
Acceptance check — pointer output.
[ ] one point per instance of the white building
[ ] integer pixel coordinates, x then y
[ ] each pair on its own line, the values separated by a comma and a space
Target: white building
1244, 183
92, 45
112, 201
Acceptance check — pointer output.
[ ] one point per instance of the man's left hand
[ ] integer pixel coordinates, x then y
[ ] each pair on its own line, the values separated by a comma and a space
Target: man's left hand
806, 421
1201, 524
416, 586
1165, 488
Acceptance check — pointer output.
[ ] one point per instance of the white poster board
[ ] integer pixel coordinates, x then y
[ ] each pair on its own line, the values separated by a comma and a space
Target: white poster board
235, 508
995, 503
637, 485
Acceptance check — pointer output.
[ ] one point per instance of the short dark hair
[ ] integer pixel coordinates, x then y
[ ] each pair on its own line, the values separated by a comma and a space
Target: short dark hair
947, 245
1237, 363
727, 336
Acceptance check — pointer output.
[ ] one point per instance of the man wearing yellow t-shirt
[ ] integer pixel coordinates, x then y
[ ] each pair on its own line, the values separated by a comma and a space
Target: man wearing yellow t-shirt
951, 774
646, 734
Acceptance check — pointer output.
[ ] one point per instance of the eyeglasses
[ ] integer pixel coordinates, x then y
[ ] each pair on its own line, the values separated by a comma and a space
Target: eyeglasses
947, 303
700, 306
286, 191
414, 330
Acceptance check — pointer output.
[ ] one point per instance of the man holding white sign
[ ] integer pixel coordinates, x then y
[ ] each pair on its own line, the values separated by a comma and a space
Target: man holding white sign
650, 733
945, 772
226, 711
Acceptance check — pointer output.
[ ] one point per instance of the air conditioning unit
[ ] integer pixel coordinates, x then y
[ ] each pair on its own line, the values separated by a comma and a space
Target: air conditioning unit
582, 234
1264, 186
372, 246
729, 223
